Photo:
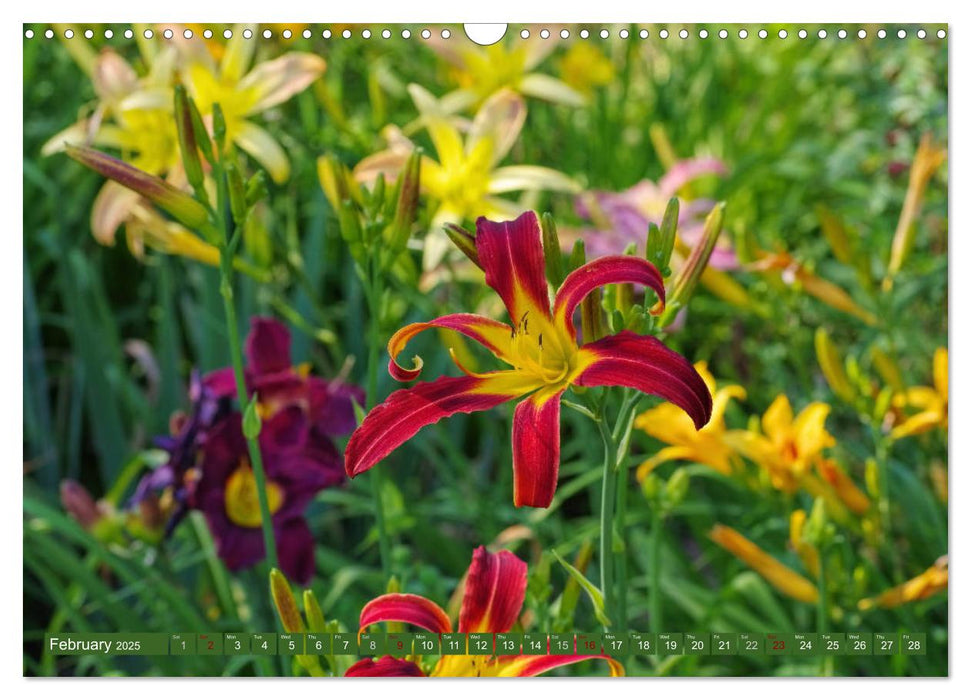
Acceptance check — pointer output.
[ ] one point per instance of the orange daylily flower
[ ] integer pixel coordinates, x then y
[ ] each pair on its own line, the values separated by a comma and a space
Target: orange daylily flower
930, 400
920, 587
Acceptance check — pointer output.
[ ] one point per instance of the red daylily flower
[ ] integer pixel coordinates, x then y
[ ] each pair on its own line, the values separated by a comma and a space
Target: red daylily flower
495, 588
542, 348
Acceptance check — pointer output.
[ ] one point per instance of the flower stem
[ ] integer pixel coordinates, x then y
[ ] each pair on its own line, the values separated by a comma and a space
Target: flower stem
654, 596
252, 443
376, 475
822, 611
226, 255
607, 498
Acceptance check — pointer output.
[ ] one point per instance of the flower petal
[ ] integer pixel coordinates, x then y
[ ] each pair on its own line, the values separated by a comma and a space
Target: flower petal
610, 269
684, 171
523, 666
405, 607
385, 667
940, 372
511, 253
263, 147
514, 178
546, 87
267, 346
112, 207
644, 363
536, 449
498, 123
407, 411
495, 589
493, 335
276, 81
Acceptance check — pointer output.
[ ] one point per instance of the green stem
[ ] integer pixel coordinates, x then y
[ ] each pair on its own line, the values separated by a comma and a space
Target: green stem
655, 598
376, 476
607, 499
621, 518
226, 255
822, 611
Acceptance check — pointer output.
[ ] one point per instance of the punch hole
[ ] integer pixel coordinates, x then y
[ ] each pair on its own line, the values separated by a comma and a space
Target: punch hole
624, 33
187, 34
644, 34
29, 34
584, 34
486, 34
248, 34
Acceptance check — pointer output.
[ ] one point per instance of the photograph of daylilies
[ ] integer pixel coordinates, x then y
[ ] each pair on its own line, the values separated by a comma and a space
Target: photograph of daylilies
371, 329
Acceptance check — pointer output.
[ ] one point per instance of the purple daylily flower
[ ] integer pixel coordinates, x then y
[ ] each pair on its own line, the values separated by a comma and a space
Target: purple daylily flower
622, 218
208, 467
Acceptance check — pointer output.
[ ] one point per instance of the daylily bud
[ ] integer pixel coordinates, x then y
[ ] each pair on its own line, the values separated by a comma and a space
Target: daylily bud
252, 423
219, 127
350, 227
591, 316
394, 585
407, 209
79, 504
187, 139
927, 160
201, 133
315, 616
882, 404
836, 234
816, 529
237, 194
256, 188
551, 251
180, 205
464, 241
651, 487
578, 256
666, 236
285, 603
887, 368
330, 174
871, 477
677, 487
687, 279
832, 366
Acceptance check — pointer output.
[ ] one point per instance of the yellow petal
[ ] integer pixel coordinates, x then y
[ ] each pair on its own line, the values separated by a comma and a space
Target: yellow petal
917, 424
112, 207
772, 570
548, 88
940, 372
264, 148
238, 54
719, 403
931, 581
777, 420
810, 430
667, 454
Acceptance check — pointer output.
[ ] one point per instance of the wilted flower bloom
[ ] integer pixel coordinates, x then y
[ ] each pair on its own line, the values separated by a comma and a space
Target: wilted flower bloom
466, 179
495, 589
673, 426
622, 218
542, 348
930, 401
208, 467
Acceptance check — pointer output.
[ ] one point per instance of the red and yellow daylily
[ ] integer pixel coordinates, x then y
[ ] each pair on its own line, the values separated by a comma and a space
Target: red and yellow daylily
495, 588
542, 348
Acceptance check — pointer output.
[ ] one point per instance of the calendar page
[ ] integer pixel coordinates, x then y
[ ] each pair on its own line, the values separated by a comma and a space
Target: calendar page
549, 349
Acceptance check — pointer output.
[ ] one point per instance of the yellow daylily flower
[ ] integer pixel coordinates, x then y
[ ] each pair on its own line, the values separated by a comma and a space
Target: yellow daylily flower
584, 67
931, 402
788, 447
671, 425
465, 180
932, 581
780, 576
243, 93
482, 71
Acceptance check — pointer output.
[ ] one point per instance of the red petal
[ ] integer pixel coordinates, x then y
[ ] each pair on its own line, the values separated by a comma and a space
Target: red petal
522, 666
511, 253
386, 666
644, 363
494, 592
494, 335
407, 411
267, 346
406, 607
610, 269
536, 449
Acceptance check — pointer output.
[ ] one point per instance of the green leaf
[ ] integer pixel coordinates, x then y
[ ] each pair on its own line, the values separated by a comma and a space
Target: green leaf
596, 597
